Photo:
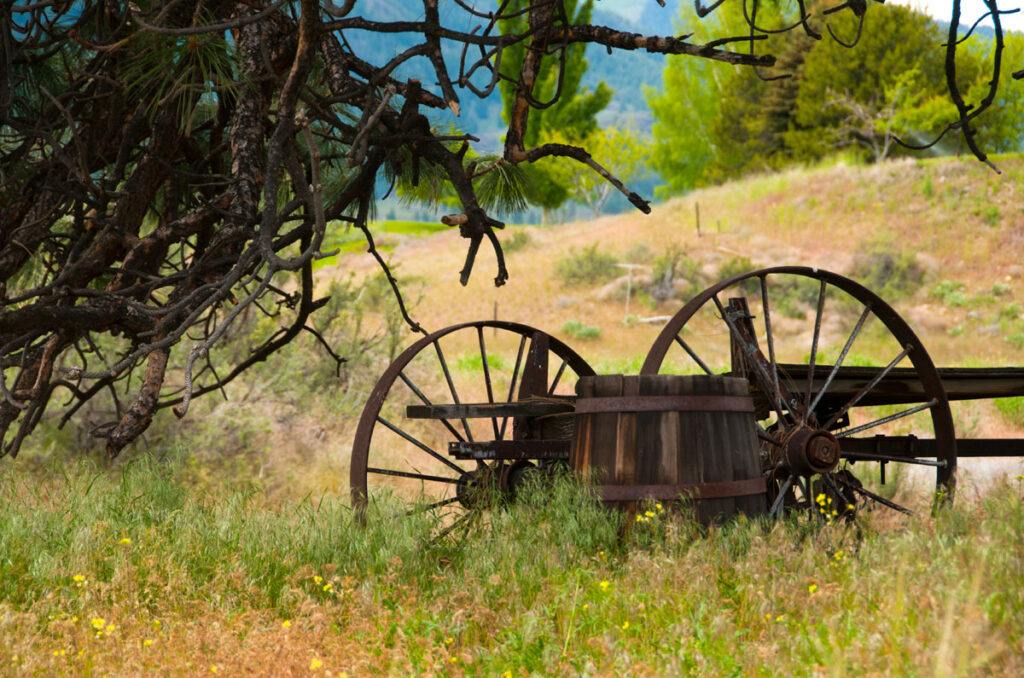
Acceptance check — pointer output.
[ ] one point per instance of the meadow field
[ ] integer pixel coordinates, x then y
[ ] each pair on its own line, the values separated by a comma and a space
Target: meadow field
226, 543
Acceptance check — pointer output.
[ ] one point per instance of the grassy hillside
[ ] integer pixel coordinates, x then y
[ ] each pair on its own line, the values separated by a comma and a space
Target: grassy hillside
226, 543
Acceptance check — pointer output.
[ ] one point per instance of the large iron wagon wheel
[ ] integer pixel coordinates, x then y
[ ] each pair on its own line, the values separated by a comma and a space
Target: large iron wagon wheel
408, 460
880, 380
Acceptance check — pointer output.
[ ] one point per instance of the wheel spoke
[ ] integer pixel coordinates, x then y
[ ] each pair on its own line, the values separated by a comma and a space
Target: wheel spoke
421, 445
512, 385
459, 522
831, 482
769, 337
841, 358
867, 388
886, 420
878, 498
451, 386
426, 401
752, 355
415, 476
767, 437
814, 351
558, 376
776, 509
487, 376
431, 507
692, 354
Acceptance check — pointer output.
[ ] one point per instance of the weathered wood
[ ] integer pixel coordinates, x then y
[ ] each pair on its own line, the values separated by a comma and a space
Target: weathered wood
903, 384
686, 449
526, 408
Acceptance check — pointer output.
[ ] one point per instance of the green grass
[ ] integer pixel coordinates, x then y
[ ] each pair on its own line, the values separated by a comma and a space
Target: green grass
577, 330
547, 586
1012, 409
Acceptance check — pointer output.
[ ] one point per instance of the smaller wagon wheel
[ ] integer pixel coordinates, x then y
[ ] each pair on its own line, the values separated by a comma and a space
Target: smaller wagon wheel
491, 362
881, 381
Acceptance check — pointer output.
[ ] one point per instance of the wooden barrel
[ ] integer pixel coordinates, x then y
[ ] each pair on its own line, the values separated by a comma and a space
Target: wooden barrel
666, 436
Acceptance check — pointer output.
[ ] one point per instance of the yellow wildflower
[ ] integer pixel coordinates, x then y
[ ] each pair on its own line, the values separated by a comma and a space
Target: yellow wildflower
812, 588
649, 514
74, 619
820, 498
586, 606
604, 584
285, 624
147, 642
625, 625
78, 579
658, 506
213, 669
781, 617
328, 588
110, 627
315, 664
449, 640
317, 579
125, 541
98, 623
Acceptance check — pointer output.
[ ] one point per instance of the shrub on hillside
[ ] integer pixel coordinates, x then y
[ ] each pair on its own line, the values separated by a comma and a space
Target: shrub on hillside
674, 275
888, 272
577, 330
586, 267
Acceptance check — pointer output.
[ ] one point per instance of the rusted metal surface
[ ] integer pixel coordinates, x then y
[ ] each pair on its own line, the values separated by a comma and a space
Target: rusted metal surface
810, 450
667, 403
716, 490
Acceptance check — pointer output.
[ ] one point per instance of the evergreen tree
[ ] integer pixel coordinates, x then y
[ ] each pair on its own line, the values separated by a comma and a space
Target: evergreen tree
572, 118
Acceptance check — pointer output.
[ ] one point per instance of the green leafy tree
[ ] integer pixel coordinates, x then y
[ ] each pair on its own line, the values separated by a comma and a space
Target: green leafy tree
683, 150
896, 71
618, 148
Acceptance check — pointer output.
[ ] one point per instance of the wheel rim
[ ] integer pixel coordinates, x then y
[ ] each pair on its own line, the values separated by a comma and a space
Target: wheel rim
483, 361
803, 396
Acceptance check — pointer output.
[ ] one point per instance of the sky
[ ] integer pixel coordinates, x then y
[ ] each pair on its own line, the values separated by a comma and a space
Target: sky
970, 10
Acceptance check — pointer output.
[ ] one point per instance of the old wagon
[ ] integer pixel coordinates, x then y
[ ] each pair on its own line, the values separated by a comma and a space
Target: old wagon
835, 384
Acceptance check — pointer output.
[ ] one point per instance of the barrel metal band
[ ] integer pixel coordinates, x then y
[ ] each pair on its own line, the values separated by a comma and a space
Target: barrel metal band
711, 490
666, 403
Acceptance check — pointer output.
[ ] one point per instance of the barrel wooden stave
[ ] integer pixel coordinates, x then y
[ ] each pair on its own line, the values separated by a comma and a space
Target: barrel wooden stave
670, 447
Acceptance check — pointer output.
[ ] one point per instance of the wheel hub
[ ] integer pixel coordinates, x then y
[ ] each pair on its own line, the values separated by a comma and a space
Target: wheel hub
810, 450
475, 489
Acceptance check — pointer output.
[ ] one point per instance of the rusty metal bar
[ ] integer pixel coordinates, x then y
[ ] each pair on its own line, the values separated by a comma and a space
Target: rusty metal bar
510, 450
